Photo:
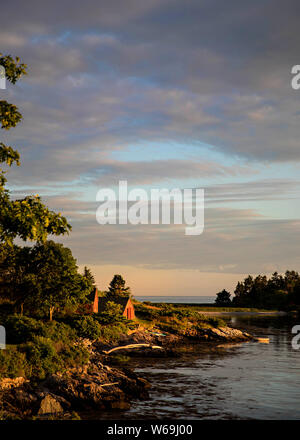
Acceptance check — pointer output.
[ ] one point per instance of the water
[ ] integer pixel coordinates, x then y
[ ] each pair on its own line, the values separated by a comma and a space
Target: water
238, 381
179, 299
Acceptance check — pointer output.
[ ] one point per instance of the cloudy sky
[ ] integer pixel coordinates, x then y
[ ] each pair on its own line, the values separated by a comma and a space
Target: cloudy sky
163, 94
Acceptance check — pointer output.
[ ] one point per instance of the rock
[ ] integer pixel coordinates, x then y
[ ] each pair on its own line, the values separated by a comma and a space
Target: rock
102, 387
8, 383
49, 405
223, 334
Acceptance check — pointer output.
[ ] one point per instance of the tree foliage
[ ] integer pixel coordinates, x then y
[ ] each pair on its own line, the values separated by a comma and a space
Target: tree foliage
223, 298
87, 273
14, 69
43, 278
27, 218
117, 286
277, 291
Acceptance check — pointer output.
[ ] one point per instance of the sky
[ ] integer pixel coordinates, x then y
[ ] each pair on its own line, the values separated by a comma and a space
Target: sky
163, 94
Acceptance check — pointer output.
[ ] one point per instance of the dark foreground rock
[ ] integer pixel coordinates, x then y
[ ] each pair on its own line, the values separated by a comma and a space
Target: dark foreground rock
95, 387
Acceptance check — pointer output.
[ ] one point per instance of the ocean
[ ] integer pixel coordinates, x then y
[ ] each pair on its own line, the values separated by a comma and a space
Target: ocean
179, 299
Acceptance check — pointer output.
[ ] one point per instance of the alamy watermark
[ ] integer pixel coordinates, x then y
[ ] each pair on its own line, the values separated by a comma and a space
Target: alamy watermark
164, 207
2, 78
296, 338
2, 337
295, 82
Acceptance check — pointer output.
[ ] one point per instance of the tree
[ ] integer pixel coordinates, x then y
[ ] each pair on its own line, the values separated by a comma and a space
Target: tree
58, 283
15, 277
223, 298
89, 276
27, 218
117, 286
278, 291
47, 278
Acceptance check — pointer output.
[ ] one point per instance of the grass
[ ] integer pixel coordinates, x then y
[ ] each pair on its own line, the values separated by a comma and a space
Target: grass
213, 308
178, 320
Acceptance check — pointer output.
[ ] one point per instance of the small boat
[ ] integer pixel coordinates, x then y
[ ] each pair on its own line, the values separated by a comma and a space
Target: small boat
263, 340
157, 334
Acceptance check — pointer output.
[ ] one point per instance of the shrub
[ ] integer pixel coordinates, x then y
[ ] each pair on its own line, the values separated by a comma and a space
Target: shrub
20, 329
42, 357
12, 363
74, 356
216, 322
45, 357
144, 312
85, 326
111, 333
111, 314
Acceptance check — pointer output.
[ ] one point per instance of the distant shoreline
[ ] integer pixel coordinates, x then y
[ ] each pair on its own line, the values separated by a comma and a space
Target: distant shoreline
190, 299
233, 313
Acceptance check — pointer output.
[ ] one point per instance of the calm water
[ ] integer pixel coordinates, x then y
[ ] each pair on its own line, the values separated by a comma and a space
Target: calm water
179, 299
242, 381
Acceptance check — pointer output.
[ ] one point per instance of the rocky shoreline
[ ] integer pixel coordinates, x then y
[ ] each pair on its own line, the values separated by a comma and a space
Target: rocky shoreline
99, 385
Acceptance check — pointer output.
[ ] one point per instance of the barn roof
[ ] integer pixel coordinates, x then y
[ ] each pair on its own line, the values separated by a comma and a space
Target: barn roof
121, 300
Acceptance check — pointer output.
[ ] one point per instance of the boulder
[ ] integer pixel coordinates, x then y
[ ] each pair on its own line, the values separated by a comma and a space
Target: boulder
223, 334
49, 405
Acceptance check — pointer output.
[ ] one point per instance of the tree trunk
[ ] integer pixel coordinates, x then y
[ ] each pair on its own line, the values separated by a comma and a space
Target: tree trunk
21, 308
51, 309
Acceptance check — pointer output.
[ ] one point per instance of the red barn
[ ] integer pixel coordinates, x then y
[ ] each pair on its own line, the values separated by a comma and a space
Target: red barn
98, 304
92, 306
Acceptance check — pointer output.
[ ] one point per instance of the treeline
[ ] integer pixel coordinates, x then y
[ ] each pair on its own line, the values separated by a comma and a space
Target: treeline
278, 291
42, 279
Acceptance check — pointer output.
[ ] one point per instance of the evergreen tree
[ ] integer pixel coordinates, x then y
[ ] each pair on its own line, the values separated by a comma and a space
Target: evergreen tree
223, 298
87, 274
117, 286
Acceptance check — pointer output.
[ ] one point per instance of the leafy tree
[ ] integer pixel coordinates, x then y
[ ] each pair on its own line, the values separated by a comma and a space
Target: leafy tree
27, 218
89, 276
47, 278
117, 286
15, 274
58, 283
223, 298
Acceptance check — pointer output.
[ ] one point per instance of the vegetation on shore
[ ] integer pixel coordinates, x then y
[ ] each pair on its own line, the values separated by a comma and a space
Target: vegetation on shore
38, 347
280, 292
174, 319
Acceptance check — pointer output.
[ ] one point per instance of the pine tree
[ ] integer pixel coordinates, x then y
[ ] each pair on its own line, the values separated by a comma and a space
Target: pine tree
87, 273
117, 287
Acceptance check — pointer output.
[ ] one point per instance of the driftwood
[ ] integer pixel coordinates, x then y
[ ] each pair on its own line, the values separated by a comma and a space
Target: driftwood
123, 347
109, 384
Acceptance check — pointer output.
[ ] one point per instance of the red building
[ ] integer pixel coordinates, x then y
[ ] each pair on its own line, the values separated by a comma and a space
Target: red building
98, 304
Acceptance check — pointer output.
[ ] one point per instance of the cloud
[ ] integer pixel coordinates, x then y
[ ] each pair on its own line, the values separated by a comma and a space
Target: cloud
208, 72
233, 242
106, 76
